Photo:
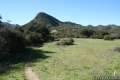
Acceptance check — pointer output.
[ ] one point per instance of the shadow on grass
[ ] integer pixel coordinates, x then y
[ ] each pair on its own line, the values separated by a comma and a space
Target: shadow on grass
30, 55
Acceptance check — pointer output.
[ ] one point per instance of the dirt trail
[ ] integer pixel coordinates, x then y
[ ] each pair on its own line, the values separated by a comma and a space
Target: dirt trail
30, 74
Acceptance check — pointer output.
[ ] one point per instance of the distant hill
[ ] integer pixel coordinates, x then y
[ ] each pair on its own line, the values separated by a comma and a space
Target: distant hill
9, 25
68, 29
45, 20
42, 20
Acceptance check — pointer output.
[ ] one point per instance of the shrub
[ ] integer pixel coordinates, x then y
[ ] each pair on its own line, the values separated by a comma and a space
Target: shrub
87, 33
66, 41
11, 41
117, 49
108, 37
115, 35
34, 39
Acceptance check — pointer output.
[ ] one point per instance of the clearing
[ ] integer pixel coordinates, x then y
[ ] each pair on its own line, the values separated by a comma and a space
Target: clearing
76, 62
80, 61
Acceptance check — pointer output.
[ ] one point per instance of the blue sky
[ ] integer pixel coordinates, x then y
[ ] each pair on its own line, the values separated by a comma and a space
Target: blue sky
84, 12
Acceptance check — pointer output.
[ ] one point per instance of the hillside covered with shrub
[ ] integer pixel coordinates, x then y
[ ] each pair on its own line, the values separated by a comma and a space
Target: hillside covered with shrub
59, 29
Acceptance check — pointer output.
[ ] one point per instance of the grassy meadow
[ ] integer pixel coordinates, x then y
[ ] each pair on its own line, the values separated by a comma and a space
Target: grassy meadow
80, 61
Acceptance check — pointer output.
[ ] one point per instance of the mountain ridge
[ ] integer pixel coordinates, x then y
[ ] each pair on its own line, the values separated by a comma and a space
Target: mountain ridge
44, 20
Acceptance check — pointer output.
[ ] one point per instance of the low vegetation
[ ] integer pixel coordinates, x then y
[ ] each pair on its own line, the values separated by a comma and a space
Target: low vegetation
108, 37
66, 41
82, 61
117, 49
11, 41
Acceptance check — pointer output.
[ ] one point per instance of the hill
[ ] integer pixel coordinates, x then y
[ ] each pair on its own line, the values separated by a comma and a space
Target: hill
45, 20
69, 29
8, 25
42, 20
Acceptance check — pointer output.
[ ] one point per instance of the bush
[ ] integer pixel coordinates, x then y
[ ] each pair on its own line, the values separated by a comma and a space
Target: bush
115, 35
117, 49
66, 41
11, 41
34, 39
108, 37
87, 33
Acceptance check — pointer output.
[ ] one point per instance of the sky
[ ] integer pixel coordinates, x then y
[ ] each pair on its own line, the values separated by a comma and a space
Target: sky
84, 12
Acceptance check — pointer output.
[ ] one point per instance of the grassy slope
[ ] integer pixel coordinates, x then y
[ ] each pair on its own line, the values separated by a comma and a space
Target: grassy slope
79, 61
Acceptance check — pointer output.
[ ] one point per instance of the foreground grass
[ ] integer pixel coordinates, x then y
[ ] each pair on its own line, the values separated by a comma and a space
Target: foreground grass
77, 62
12, 67
17, 73
80, 61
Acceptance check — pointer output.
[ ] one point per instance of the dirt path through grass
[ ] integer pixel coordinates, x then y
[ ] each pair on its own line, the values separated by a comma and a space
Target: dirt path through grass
30, 74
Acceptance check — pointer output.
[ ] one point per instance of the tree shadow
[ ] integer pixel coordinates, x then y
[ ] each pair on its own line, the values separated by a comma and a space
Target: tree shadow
30, 55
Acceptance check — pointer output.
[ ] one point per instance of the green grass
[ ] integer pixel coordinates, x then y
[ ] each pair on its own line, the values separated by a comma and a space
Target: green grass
17, 73
13, 66
76, 62
79, 61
